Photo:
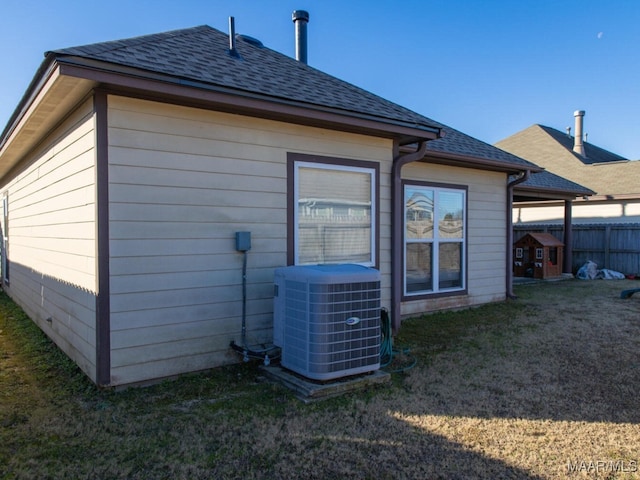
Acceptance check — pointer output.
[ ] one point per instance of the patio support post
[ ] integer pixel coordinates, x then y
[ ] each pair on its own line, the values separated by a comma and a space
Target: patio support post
522, 177
567, 262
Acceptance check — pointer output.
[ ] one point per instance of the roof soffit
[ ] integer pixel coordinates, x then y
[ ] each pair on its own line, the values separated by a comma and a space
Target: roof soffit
46, 106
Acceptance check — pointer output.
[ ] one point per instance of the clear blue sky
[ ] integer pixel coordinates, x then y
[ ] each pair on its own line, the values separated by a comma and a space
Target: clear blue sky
489, 68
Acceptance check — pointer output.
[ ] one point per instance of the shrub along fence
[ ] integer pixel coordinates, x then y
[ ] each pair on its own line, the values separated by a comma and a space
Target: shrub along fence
613, 246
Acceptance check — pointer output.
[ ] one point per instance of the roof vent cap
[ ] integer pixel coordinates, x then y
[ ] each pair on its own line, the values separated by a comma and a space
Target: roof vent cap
250, 40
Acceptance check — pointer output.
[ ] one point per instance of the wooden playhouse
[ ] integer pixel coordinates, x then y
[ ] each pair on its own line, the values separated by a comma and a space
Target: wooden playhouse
538, 255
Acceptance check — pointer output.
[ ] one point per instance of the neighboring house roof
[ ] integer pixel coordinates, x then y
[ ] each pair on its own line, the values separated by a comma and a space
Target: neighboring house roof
593, 153
603, 172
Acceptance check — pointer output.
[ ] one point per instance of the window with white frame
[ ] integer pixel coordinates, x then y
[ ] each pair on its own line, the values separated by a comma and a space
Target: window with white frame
334, 213
434, 238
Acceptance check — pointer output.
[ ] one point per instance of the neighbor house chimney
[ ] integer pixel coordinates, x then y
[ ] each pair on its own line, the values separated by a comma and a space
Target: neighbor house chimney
578, 146
301, 18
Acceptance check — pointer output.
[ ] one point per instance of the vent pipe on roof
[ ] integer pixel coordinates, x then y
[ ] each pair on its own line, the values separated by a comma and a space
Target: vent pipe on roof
232, 38
568, 131
300, 19
578, 146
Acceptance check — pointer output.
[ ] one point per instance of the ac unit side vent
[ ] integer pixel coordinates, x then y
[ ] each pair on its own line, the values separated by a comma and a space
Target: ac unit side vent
327, 320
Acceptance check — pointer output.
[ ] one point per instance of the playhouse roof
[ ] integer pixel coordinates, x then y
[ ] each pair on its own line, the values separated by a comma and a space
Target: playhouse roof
544, 239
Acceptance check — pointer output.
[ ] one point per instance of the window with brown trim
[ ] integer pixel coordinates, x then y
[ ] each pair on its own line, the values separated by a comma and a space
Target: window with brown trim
434, 239
334, 211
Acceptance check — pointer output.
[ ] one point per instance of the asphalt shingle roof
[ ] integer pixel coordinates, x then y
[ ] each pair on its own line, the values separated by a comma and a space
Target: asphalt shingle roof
601, 171
546, 180
201, 55
456, 142
593, 153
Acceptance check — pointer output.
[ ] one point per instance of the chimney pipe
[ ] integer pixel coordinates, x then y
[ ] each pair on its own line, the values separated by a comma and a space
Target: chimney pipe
300, 19
578, 146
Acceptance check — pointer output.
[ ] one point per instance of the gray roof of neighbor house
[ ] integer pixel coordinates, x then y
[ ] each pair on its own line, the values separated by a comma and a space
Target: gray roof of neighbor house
601, 171
593, 153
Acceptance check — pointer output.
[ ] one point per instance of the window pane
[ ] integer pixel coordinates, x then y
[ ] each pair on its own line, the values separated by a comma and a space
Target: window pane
333, 185
434, 236
450, 263
418, 213
419, 275
450, 214
334, 215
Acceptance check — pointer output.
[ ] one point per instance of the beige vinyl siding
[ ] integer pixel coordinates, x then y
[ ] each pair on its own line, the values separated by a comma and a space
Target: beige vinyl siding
182, 182
52, 246
486, 235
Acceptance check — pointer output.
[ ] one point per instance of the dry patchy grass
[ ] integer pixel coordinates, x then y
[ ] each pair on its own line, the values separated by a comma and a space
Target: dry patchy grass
539, 388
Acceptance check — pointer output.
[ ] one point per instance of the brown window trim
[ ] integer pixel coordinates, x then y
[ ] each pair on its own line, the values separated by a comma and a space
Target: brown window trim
451, 293
292, 158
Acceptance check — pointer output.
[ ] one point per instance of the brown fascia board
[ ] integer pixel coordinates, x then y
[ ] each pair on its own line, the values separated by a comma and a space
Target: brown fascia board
607, 198
553, 193
152, 85
546, 194
530, 197
469, 161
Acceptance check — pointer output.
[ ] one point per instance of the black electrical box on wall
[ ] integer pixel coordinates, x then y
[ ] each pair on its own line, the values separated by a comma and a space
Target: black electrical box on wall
243, 241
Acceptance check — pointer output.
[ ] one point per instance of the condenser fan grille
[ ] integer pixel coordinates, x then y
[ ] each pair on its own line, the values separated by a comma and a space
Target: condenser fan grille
329, 328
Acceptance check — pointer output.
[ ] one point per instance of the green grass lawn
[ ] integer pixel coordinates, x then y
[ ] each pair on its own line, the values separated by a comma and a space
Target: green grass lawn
487, 398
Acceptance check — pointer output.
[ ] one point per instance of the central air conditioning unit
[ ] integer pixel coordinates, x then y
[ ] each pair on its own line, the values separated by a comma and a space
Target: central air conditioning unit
327, 320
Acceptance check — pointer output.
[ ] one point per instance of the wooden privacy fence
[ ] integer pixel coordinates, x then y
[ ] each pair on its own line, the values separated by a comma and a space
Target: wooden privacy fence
612, 246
